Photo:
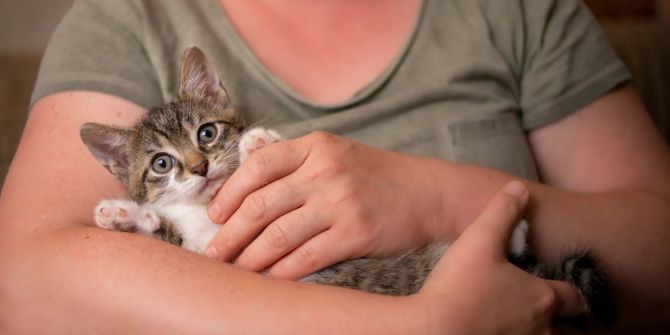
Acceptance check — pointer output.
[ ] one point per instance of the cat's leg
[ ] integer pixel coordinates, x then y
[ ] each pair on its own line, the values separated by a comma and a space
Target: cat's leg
126, 215
256, 138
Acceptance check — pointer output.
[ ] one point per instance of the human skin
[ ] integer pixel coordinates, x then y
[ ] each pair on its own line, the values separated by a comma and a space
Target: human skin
324, 50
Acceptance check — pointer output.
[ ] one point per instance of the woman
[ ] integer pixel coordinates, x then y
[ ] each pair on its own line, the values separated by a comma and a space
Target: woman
507, 89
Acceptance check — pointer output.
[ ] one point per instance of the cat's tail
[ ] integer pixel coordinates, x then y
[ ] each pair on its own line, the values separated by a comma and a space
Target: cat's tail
583, 272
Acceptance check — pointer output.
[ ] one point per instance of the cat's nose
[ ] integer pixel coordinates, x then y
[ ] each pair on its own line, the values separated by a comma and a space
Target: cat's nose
200, 168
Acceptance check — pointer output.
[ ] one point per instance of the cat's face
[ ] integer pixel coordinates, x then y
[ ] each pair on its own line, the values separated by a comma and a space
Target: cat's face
183, 151
180, 152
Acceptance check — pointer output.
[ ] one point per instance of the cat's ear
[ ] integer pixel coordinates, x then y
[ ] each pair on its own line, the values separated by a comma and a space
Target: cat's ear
110, 146
199, 78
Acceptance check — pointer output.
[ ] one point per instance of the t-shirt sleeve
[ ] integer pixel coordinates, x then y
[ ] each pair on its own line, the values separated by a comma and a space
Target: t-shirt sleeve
569, 61
98, 46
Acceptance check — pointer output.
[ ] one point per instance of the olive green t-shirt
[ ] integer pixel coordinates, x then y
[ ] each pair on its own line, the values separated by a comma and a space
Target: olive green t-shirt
472, 79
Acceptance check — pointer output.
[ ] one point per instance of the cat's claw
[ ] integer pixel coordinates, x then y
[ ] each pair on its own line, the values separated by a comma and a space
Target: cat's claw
255, 139
125, 215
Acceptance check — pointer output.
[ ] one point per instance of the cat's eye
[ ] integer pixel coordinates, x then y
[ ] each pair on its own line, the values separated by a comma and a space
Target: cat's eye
207, 133
162, 164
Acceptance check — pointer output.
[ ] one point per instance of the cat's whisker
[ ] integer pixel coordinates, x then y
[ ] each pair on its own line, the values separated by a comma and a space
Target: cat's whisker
233, 144
231, 155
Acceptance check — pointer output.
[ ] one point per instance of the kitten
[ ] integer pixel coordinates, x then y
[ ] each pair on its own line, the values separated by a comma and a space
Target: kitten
175, 159
178, 156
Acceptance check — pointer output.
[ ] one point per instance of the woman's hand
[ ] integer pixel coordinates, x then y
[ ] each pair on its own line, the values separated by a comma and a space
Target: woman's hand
475, 290
297, 206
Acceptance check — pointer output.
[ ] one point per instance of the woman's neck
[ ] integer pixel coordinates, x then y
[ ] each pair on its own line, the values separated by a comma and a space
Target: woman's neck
325, 50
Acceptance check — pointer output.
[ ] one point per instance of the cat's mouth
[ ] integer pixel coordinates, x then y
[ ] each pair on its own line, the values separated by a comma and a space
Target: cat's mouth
211, 185
204, 188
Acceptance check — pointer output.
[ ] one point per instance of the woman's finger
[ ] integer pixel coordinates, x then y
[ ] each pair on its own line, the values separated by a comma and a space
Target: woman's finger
321, 251
261, 168
495, 224
569, 302
258, 209
281, 237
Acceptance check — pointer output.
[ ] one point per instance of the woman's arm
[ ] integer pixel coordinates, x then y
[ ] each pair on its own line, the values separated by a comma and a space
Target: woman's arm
610, 170
608, 189
60, 275
607, 175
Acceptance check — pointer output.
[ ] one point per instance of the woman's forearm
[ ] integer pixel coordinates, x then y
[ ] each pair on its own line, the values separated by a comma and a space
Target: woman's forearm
629, 231
60, 276
85, 280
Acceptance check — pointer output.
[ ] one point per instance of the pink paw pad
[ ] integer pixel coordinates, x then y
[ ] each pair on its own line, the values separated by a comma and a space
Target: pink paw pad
105, 212
116, 215
260, 142
255, 139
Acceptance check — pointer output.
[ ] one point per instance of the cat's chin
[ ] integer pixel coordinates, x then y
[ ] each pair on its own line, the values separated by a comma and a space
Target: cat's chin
201, 193
209, 189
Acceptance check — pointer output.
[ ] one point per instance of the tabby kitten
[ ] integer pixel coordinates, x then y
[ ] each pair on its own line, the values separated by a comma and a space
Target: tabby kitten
177, 157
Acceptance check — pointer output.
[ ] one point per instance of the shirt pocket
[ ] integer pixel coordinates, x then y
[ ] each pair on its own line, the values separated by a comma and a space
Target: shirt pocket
497, 142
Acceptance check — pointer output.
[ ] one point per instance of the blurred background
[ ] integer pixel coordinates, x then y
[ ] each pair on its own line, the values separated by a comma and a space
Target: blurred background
25, 28
638, 29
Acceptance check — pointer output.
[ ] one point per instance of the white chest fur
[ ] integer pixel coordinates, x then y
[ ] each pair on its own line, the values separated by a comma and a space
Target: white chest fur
192, 222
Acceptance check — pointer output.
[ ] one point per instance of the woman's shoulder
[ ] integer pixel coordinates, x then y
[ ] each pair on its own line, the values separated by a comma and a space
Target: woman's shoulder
127, 48
139, 11
493, 12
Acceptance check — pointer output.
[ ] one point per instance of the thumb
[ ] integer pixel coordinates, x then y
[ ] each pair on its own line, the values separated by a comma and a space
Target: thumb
495, 224
568, 300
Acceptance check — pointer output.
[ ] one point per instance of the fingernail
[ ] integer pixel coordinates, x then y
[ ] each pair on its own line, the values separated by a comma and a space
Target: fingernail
214, 212
212, 253
516, 188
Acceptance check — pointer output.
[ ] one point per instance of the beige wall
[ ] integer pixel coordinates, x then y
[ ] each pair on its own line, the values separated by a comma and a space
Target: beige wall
26, 25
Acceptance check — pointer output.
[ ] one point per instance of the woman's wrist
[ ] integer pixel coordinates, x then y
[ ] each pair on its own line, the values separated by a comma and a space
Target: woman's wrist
444, 217
429, 192
460, 193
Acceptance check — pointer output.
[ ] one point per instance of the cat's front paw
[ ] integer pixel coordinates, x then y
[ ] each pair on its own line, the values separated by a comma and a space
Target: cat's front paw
125, 215
255, 139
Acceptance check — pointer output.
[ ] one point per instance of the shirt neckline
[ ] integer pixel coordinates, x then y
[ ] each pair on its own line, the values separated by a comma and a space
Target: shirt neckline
247, 55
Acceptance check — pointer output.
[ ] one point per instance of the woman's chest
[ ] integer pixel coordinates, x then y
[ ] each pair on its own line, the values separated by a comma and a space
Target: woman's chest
324, 51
